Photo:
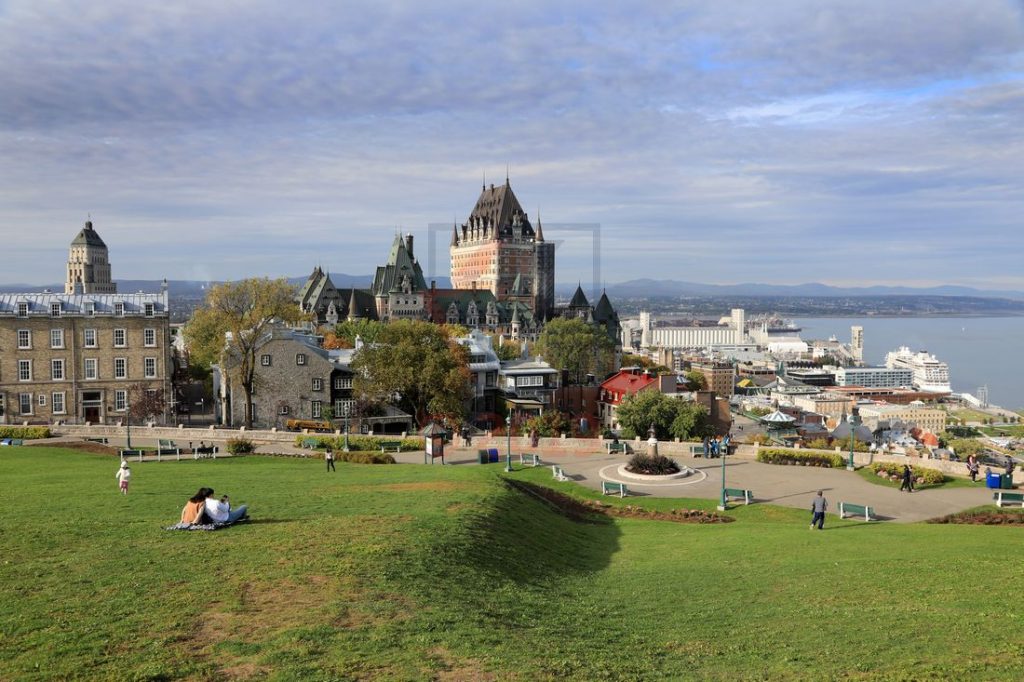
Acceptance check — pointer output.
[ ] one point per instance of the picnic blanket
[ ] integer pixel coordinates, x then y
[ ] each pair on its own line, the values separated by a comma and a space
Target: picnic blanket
205, 526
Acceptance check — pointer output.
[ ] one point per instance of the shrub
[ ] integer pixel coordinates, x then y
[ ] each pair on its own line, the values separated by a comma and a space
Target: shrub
818, 459
240, 446
25, 432
548, 425
359, 442
921, 475
652, 465
364, 457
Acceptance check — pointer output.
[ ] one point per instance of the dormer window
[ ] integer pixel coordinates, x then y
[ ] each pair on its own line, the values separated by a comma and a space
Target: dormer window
119, 309
22, 309
55, 309
90, 308
149, 310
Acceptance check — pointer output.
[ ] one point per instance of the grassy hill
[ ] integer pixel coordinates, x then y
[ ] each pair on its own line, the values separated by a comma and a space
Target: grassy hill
413, 572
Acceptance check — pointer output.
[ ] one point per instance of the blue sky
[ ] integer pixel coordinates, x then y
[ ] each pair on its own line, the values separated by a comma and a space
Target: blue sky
866, 142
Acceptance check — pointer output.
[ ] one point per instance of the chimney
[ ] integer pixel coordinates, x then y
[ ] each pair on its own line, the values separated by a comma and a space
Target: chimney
433, 284
408, 243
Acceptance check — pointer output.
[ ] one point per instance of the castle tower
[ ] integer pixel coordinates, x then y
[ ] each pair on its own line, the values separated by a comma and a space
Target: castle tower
88, 265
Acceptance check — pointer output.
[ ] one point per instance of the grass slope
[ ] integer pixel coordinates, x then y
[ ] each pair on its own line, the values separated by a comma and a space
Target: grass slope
413, 572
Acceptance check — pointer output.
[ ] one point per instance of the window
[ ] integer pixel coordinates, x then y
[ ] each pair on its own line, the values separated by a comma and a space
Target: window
119, 309
24, 370
149, 337
25, 402
265, 360
23, 311
56, 338
90, 308
120, 368
120, 338
24, 338
341, 383
91, 369
57, 370
149, 368
344, 408
41, 399
282, 409
148, 309
57, 403
318, 384
300, 358
529, 381
55, 309
317, 410
90, 338
120, 400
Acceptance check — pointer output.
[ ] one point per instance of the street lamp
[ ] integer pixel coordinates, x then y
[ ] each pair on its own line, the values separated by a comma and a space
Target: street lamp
128, 418
347, 409
722, 500
508, 452
853, 437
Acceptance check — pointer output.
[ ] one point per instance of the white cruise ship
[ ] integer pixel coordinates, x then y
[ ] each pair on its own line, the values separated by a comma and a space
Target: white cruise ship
930, 374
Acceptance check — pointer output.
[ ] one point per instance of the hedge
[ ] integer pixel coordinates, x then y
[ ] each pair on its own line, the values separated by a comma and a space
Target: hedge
920, 474
816, 459
25, 432
357, 442
240, 446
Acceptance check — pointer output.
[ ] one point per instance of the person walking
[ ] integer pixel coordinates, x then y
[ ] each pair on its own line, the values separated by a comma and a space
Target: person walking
707, 447
972, 467
123, 475
818, 506
329, 458
908, 479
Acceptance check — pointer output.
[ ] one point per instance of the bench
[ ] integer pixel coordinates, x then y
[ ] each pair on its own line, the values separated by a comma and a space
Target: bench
102, 440
856, 510
310, 443
529, 460
609, 488
558, 474
614, 448
394, 445
740, 493
1002, 497
133, 452
697, 451
167, 447
17, 441
205, 451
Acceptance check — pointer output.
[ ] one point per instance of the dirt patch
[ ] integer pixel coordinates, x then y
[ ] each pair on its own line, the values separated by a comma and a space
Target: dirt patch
996, 517
244, 671
81, 446
419, 486
591, 511
455, 670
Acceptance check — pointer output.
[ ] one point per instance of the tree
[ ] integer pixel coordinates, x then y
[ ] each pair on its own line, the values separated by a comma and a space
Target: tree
640, 410
145, 402
417, 364
548, 425
691, 422
245, 310
366, 330
456, 331
696, 381
508, 349
578, 347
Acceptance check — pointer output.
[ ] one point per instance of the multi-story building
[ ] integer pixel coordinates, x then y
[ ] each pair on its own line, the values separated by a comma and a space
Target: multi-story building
927, 418
874, 377
77, 357
319, 297
88, 265
483, 374
529, 379
626, 383
498, 249
721, 376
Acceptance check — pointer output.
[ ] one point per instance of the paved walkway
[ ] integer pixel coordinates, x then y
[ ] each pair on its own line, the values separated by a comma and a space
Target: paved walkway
787, 486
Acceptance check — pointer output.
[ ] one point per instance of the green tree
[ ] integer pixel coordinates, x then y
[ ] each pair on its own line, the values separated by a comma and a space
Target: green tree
508, 349
691, 422
578, 347
640, 410
366, 330
548, 425
417, 363
245, 309
696, 381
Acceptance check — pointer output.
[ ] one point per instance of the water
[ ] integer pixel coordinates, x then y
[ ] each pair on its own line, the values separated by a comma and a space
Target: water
979, 350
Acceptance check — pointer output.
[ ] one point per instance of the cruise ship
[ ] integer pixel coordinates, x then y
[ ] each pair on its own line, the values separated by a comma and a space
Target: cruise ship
929, 373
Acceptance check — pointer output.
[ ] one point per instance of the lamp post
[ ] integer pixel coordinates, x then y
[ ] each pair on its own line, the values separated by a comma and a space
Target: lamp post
508, 452
853, 437
348, 408
722, 500
128, 418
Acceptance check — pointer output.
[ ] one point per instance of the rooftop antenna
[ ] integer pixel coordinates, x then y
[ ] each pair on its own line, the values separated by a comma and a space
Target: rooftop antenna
507, 165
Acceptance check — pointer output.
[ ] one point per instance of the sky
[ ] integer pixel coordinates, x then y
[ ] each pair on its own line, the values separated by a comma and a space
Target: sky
845, 142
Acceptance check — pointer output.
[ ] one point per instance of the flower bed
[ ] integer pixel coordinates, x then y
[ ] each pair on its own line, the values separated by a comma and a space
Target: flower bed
984, 517
812, 459
894, 472
648, 465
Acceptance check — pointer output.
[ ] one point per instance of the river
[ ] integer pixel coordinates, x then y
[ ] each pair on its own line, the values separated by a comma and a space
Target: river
979, 350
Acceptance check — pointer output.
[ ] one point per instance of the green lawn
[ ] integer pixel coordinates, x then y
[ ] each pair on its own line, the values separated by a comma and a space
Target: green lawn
416, 572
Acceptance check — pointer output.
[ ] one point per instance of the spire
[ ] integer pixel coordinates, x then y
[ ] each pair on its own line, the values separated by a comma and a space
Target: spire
506, 174
455, 234
353, 310
540, 233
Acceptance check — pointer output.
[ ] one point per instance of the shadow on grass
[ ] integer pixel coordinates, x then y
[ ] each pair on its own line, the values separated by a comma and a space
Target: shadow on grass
259, 521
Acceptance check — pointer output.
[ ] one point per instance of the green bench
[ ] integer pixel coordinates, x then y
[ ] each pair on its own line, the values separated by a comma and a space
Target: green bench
393, 445
616, 448
856, 510
529, 460
558, 474
739, 493
17, 441
609, 488
1002, 497
310, 443
102, 440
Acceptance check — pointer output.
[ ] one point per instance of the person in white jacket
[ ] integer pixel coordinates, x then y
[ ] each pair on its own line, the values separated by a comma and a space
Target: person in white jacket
123, 475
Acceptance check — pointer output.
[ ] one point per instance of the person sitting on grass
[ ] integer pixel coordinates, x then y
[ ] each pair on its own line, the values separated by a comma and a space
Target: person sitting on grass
220, 511
195, 509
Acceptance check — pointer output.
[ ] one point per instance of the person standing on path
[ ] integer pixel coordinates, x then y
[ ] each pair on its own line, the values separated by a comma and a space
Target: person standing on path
818, 506
123, 475
329, 458
972, 467
908, 479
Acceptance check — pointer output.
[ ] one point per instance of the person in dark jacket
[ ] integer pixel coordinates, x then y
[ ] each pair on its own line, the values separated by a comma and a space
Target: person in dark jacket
908, 479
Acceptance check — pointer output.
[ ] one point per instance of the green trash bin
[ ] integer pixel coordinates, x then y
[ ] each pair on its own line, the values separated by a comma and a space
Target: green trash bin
1006, 481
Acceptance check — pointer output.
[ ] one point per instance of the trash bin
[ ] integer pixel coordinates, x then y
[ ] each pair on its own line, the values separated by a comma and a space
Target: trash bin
993, 480
1006, 481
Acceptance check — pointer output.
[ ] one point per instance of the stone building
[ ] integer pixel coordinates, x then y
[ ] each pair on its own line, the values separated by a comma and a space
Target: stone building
398, 286
319, 296
602, 315
74, 357
499, 250
88, 265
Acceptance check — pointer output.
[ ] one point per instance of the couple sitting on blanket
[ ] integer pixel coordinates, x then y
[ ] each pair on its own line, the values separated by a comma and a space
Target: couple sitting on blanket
203, 508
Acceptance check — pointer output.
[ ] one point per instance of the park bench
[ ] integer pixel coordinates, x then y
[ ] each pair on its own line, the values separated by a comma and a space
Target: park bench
609, 488
740, 493
696, 451
856, 510
615, 448
1002, 497
393, 445
558, 474
205, 451
310, 443
17, 441
167, 447
133, 452
528, 460
102, 440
